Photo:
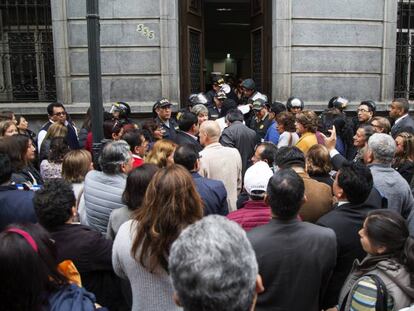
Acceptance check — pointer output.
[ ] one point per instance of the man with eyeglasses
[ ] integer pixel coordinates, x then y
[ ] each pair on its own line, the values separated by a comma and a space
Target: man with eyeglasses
57, 113
365, 113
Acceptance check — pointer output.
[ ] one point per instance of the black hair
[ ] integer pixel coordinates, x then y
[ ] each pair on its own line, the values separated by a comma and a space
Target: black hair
228, 104
16, 148
87, 123
285, 193
133, 138
356, 181
234, 115
6, 168
277, 107
136, 185
54, 105
186, 155
389, 229
268, 153
368, 130
53, 203
372, 106
58, 149
110, 127
286, 157
28, 277
187, 120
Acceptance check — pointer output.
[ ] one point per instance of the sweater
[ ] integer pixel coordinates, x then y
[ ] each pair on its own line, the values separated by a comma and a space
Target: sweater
251, 215
150, 291
394, 187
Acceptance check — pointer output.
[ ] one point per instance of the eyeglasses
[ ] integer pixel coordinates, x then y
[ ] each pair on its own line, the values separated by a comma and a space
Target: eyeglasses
60, 113
362, 110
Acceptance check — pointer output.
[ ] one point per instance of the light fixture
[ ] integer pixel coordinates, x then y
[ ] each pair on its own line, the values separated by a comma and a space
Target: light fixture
223, 9
228, 55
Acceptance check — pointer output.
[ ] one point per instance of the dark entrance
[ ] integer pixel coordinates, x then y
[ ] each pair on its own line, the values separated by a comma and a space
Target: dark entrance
27, 70
230, 37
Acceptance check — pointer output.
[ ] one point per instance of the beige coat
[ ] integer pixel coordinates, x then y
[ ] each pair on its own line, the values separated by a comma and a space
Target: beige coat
225, 164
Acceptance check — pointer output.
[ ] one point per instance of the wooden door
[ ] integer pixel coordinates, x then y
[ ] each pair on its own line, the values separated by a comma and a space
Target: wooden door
191, 48
261, 44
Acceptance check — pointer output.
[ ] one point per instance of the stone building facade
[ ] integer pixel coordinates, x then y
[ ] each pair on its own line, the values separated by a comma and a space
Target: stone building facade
318, 49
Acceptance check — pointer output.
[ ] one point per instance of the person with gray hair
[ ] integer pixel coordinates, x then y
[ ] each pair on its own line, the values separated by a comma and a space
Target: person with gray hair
225, 277
103, 189
378, 156
201, 112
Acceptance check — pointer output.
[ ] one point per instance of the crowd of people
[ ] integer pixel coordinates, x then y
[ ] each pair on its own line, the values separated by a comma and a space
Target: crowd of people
233, 203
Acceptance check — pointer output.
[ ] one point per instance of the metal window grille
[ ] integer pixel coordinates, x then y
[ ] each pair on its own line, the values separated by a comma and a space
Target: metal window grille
404, 69
27, 70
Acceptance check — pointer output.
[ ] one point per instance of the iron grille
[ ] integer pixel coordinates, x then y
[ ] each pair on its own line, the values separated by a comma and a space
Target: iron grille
257, 58
27, 70
195, 61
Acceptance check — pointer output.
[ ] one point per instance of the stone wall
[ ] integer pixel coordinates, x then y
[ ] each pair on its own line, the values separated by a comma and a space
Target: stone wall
324, 48
139, 52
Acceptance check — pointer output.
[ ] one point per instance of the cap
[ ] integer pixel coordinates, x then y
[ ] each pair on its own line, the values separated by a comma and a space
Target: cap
218, 80
162, 103
258, 104
338, 102
221, 95
257, 177
248, 84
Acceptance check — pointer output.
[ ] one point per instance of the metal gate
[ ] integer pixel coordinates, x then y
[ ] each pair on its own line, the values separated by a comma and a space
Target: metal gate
27, 70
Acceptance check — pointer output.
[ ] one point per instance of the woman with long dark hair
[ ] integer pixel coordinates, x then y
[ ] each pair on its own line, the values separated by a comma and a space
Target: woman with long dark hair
21, 152
383, 280
404, 155
142, 245
52, 166
30, 278
136, 186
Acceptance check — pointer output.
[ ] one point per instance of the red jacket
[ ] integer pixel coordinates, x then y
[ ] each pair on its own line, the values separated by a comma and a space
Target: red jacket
251, 215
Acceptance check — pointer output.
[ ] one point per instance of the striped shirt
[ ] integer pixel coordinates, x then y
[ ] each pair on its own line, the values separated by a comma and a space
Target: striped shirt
364, 296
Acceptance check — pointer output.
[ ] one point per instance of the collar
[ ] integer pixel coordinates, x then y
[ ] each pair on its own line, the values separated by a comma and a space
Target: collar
400, 118
191, 135
340, 203
135, 156
283, 221
212, 145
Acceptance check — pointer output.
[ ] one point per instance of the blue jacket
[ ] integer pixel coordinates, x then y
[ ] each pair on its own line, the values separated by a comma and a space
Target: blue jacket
213, 194
16, 206
272, 133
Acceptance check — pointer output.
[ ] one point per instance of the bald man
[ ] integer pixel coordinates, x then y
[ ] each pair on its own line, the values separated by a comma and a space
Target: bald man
221, 163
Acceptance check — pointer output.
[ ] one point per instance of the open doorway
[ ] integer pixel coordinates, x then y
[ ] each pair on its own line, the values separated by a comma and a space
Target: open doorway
230, 37
227, 39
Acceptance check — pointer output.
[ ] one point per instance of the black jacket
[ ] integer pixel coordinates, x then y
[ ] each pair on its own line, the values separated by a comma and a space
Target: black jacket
295, 261
405, 125
92, 255
346, 220
182, 138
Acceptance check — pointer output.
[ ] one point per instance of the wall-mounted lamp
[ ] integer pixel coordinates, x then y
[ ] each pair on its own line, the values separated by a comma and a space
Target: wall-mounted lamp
228, 55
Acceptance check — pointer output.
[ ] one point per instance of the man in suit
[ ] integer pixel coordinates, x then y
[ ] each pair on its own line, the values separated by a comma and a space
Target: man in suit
399, 112
219, 162
319, 195
188, 130
57, 113
211, 191
353, 187
295, 258
239, 136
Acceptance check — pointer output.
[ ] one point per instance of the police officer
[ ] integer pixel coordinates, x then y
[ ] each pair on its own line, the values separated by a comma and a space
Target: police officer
121, 111
294, 105
261, 121
168, 125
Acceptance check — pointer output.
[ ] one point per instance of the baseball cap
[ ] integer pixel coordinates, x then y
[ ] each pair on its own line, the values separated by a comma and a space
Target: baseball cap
163, 102
221, 95
258, 104
248, 84
218, 80
257, 177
